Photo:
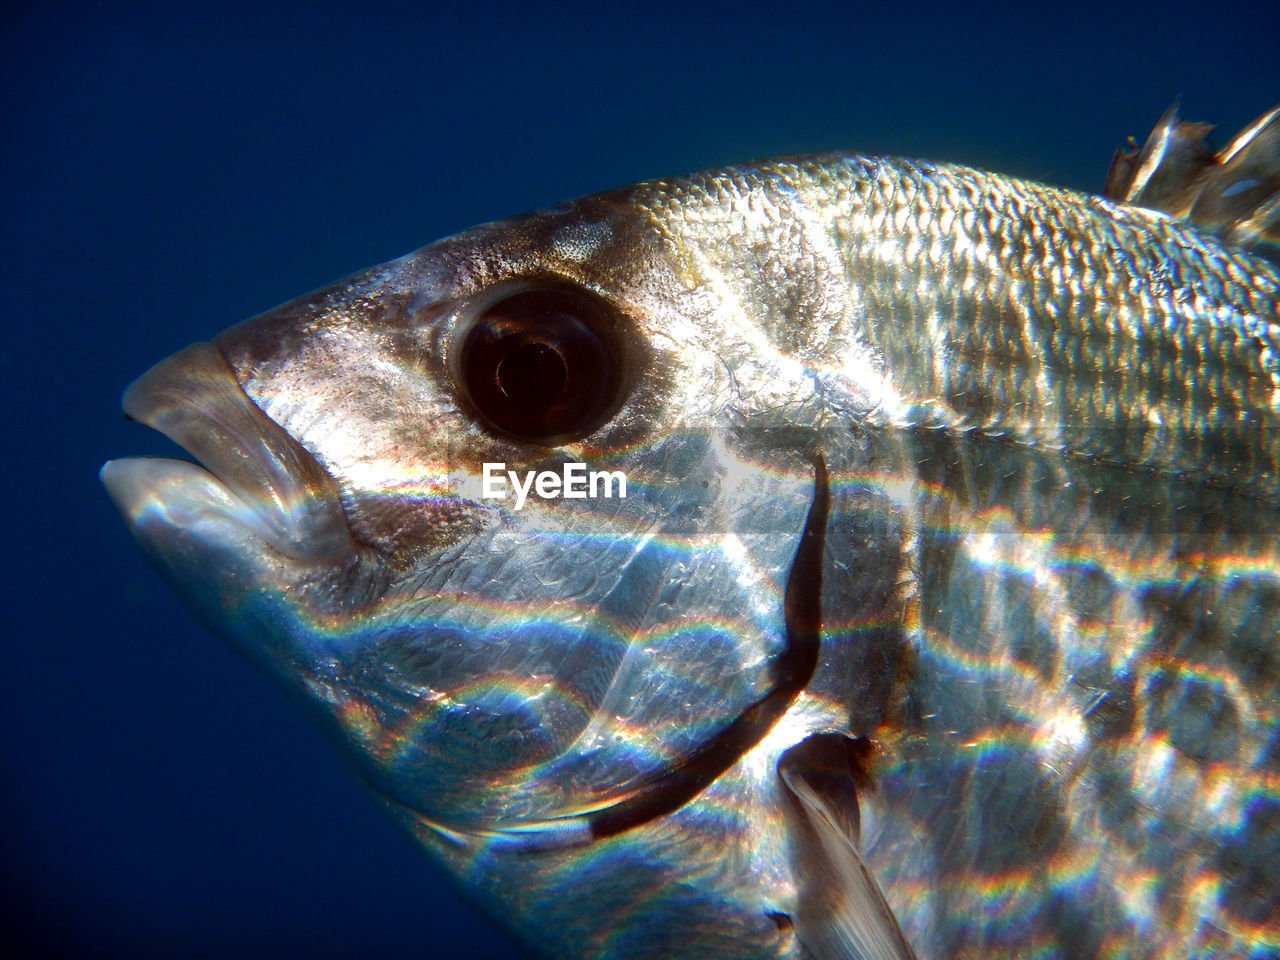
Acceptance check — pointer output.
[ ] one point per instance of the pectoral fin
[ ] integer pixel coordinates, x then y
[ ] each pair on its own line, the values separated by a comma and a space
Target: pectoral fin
842, 915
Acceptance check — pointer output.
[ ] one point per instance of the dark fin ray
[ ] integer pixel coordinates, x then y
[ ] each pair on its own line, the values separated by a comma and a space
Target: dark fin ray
1240, 199
1158, 175
841, 914
1233, 193
802, 614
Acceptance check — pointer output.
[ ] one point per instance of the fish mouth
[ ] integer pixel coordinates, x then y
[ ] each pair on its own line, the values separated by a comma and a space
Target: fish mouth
253, 480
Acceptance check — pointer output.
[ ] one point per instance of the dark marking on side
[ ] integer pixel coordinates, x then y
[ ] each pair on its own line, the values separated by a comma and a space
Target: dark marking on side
802, 615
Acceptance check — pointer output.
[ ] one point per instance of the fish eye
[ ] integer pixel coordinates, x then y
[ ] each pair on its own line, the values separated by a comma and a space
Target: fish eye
541, 365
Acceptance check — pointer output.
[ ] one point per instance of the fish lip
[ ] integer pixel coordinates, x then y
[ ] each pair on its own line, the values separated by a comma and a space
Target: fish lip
289, 500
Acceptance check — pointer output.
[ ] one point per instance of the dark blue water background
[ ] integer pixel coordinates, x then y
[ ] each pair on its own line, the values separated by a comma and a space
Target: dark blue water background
171, 169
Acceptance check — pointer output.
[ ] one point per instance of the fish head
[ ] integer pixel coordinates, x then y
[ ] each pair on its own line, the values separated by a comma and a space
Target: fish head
486, 662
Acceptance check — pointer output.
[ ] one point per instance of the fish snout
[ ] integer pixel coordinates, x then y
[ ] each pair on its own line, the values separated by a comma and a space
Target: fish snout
252, 474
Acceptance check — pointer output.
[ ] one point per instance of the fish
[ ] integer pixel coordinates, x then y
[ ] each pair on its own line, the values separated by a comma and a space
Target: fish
927, 604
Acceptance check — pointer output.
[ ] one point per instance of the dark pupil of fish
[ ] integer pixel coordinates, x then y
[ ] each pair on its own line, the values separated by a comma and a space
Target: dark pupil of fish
533, 374
541, 365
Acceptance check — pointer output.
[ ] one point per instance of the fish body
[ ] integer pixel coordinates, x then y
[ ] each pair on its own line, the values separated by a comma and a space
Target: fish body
939, 617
